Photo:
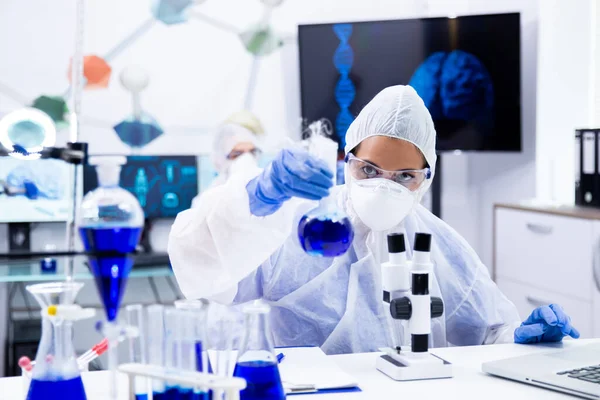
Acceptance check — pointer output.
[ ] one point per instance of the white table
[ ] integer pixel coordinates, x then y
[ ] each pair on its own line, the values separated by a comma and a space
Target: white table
468, 382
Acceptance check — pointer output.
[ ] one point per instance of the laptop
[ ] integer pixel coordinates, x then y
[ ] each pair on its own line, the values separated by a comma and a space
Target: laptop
574, 371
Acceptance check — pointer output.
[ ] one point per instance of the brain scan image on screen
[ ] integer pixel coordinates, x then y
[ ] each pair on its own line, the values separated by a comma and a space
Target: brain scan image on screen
457, 89
34, 190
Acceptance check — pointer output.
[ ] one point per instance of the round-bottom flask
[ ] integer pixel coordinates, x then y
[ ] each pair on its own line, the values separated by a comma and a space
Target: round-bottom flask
325, 232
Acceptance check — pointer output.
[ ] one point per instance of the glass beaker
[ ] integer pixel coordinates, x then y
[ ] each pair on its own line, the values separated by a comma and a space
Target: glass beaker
257, 362
325, 231
110, 222
56, 373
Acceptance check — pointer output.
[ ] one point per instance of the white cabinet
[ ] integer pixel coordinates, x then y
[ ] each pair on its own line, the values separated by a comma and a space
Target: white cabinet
550, 255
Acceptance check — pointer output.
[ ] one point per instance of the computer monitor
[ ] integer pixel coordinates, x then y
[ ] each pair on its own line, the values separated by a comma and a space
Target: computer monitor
164, 185
35, 190
466, 69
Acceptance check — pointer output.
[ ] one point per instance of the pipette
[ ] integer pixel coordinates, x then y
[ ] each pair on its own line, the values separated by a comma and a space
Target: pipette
82, 361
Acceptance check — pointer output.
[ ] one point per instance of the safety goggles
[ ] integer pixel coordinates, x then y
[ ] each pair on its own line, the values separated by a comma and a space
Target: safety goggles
409, 178
236, 153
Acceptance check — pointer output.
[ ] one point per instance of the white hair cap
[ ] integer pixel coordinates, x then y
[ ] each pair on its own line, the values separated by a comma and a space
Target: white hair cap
397, 112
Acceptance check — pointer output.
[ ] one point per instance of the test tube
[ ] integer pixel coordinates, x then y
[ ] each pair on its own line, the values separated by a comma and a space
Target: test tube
199, 312
155, 343
134, 315
173, 334
226, 324
193, 341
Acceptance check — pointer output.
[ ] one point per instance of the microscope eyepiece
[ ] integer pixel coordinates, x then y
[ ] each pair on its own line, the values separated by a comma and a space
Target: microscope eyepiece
422, 242
396, 243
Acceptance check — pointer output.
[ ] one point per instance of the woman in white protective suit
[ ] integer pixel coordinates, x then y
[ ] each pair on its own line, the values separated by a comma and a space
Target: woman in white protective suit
235, 147
240, 244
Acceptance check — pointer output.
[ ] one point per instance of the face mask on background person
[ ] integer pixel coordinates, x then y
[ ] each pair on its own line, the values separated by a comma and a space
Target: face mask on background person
242, 162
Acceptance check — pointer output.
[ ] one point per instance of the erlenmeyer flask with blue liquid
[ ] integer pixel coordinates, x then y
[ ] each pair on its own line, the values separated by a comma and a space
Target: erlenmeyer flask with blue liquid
325, 231
257, 362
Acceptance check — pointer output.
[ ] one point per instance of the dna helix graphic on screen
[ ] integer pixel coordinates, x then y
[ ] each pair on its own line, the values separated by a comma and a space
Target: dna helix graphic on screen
345, 91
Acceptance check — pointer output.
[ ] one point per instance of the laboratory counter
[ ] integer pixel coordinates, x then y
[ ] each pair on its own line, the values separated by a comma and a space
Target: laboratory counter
468, 382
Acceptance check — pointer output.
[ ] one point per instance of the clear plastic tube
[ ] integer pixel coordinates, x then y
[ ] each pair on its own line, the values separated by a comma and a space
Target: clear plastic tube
155, 343
173, 350
134, 315
194, 344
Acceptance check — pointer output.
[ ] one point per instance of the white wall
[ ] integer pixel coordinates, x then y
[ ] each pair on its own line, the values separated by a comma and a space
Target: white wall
566, 77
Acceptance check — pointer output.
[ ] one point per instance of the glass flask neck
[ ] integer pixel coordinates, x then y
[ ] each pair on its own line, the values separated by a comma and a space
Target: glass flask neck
108, 175
257, 344
55, 358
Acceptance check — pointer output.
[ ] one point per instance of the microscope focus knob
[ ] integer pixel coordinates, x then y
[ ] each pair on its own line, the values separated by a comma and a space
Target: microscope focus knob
401, 308
437, 307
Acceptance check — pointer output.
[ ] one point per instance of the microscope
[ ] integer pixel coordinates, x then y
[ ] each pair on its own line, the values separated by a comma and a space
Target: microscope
406, 289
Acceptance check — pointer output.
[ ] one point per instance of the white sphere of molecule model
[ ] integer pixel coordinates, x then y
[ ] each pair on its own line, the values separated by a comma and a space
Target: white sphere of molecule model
272, 3
134, 78
199, 1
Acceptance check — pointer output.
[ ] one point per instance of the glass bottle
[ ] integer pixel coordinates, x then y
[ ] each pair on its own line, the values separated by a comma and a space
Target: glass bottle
257, 362
56, 373
110, 221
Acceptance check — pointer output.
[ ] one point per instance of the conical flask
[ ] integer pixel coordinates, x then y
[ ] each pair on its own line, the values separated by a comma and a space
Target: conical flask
257, 362
55, 374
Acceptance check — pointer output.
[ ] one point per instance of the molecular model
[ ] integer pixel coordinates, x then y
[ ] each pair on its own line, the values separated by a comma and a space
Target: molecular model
140, 128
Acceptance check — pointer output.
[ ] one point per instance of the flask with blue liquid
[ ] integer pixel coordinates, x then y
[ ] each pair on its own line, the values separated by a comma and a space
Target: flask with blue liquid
56, 373
257, 362
325, 231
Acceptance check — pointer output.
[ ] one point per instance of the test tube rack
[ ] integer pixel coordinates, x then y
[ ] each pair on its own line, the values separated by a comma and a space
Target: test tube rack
230, 386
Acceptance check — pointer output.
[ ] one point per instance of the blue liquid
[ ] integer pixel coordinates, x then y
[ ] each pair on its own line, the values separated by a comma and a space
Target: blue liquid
186, 394
110, 273
322, 236
71, 389
172, 393
263, 380
158, 396
201, 396
199, 366
141, 397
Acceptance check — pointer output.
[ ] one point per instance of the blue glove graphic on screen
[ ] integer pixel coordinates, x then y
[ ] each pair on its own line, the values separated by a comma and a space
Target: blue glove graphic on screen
546, 324
293, 173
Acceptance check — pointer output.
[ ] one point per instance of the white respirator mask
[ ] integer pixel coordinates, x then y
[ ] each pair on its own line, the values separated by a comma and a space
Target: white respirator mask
380, 203
242, 163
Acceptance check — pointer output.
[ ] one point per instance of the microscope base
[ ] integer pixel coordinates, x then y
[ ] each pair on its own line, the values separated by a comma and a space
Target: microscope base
408, 366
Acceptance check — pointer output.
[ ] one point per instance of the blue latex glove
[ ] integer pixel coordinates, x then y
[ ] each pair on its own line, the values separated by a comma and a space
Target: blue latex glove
31, 190
293, 173
546, 324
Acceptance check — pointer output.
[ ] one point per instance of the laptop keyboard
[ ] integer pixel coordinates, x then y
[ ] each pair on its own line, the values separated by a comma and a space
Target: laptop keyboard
588, 374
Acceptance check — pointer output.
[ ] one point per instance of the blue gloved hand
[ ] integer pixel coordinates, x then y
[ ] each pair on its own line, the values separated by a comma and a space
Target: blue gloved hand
293, 173
546, 324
